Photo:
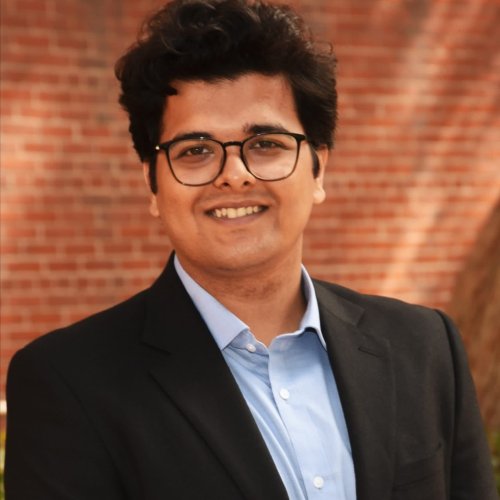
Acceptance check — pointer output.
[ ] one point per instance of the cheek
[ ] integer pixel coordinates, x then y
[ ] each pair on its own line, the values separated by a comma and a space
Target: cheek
298, 202
176, 209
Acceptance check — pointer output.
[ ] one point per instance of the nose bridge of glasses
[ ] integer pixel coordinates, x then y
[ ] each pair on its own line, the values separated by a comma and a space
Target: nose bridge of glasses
232, 143
238, 144
234, 170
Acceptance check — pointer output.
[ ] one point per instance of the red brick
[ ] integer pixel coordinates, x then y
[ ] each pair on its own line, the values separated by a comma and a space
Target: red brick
23, 266
62, 266
81, 249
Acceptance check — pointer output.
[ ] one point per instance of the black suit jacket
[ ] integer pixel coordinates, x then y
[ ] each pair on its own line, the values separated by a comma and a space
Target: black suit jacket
137, 402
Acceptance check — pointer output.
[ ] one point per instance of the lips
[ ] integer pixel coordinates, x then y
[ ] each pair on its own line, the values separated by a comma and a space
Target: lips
235, 213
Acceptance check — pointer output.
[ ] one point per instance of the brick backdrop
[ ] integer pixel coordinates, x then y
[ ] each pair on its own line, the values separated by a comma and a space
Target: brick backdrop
413, 178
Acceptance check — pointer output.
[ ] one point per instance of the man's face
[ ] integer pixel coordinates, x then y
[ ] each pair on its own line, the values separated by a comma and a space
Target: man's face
269, 232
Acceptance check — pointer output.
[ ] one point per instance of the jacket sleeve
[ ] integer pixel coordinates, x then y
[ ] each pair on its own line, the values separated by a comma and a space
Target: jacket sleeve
471, 475
52, 451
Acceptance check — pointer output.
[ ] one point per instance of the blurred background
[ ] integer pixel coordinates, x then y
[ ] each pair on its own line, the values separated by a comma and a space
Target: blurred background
413, 184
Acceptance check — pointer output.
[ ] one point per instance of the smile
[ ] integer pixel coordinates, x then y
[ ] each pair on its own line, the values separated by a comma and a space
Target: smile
234, 213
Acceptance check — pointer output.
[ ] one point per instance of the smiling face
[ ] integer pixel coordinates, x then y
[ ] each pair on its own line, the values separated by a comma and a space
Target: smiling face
237, 224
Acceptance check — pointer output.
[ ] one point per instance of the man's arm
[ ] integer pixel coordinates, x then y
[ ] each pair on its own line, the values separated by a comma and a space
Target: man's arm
52, 451
471, 468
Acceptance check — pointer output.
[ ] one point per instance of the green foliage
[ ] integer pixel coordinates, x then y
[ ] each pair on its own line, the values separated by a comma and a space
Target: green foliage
494, 441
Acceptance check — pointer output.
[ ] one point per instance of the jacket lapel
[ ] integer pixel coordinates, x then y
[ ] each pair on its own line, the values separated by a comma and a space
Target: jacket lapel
197, 379
362, 367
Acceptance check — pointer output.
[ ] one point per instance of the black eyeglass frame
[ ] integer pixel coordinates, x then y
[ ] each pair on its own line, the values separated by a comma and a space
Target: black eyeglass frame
165, 146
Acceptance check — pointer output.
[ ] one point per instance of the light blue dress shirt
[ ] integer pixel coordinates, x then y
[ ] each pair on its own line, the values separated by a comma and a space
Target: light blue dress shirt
291, 392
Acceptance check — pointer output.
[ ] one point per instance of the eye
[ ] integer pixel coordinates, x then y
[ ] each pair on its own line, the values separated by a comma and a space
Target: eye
201, 149
269, 146
192, 150
265, 144
271, 143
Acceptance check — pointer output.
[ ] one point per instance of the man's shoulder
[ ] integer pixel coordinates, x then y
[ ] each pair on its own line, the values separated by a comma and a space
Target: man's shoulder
417, 336
370, 301
386, 315
98, 332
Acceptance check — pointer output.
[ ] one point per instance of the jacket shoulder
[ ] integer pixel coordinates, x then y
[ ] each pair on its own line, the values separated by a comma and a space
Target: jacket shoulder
372, 302
389, 317
99, 332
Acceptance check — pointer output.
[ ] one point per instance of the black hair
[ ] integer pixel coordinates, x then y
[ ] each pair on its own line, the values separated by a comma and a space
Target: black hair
210, 40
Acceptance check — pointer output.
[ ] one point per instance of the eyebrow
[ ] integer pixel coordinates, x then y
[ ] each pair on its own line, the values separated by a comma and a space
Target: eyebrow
264, 128
196, 134
249, 128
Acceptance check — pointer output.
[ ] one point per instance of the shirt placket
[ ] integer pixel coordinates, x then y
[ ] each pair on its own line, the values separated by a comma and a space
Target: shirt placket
292, 395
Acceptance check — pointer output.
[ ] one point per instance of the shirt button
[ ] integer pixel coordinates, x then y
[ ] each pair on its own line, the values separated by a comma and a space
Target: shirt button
284, 394
251, 348
318, 482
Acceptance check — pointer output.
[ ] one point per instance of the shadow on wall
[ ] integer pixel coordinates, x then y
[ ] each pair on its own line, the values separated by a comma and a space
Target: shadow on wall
475, 306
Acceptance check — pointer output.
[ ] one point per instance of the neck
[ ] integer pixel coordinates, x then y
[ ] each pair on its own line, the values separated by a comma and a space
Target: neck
270, 304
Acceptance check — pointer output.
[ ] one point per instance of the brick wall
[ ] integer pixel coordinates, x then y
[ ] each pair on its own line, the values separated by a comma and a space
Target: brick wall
413, 177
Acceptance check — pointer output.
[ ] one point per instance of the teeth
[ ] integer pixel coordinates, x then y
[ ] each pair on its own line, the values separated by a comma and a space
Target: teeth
233, 213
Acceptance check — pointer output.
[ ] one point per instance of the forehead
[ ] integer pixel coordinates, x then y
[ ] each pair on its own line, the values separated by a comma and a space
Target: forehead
229, 107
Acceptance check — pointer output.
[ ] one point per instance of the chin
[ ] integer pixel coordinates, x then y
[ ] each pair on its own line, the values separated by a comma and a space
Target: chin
235, 260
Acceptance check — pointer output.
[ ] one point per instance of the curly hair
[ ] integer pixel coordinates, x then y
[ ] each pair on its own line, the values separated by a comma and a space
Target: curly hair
210, 40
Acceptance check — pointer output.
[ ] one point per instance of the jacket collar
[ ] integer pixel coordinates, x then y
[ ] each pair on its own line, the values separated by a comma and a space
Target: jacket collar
196, 377
361, 363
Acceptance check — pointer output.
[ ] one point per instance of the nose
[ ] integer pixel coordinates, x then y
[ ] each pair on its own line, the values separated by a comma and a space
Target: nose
234, 173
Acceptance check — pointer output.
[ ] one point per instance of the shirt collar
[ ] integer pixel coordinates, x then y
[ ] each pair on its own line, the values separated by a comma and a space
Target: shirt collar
225, 326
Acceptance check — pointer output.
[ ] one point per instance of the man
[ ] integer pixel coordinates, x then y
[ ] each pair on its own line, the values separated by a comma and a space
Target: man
235, 376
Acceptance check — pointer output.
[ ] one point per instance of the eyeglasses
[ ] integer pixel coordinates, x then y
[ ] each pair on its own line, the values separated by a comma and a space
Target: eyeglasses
199, 161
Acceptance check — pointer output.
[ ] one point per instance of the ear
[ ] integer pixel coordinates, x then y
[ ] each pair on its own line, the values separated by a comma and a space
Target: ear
319, 194
153, 202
